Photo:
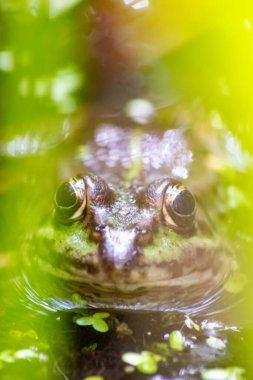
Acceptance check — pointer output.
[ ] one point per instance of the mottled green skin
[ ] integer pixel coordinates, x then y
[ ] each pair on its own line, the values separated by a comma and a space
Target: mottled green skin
135, 260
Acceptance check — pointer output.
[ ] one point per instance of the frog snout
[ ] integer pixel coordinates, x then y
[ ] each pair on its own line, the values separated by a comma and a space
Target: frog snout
117, 247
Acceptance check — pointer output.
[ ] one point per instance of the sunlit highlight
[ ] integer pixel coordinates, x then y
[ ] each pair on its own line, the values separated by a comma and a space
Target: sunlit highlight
247, 23
140, 110
137, 4
63, 86
57, 7
6, 61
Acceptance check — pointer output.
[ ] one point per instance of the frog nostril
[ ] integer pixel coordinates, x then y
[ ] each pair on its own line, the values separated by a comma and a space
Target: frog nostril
143, 236
99, 228
97, 232
141, 231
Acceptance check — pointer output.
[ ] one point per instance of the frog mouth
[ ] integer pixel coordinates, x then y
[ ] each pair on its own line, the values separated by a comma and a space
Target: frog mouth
179, 271
192, 281
192, 292
194, 267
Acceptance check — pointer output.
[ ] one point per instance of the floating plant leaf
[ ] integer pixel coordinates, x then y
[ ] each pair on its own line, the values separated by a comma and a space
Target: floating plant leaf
101, 315
176, 340
191, 324
215, 343
148, 366
84, 321
145, 362
236, 282
100, 325
95, 320
132, 358
230, 373
90, 348
77, 299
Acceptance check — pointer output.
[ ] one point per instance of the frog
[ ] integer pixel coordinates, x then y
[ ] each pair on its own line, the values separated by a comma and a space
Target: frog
127, 232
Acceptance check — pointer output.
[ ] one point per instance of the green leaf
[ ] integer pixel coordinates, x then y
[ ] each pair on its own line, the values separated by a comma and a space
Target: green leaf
90, 348
132, 358
93, 378
236, 282
215, 343
147, 366
101, 315
230, 373
99, 325
176, 340
145, 362
78, 300
216, 373
162, 349
84, 321
191, 324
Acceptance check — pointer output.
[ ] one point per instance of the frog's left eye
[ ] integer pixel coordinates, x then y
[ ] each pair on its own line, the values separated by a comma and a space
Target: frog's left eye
70, 200
179, 207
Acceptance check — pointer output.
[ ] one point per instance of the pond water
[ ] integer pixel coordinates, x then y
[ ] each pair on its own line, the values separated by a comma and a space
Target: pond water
73, 73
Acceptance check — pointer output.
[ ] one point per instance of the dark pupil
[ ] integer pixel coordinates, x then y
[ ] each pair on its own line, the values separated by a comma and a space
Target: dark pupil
184, 203
65, 196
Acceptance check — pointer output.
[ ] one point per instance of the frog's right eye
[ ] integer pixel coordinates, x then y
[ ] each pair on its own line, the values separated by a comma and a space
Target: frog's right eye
70, 201
179, 207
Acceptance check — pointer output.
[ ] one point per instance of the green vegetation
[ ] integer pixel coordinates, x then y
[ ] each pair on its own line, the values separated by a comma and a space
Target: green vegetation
176, 340
230, 373
95, 320
145, 362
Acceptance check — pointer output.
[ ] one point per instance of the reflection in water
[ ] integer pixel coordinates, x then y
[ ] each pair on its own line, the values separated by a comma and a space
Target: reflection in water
39, 142
122, 149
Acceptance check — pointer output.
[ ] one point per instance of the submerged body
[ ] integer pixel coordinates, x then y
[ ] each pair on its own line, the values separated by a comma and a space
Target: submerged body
127, 232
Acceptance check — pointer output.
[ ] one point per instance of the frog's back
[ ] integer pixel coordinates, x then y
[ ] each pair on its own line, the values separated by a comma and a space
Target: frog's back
120, 155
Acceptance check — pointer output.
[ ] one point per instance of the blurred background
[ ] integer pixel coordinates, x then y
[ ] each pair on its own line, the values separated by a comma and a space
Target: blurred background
185, 56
